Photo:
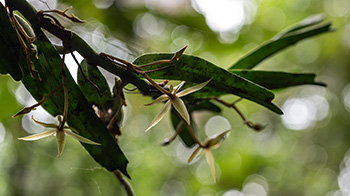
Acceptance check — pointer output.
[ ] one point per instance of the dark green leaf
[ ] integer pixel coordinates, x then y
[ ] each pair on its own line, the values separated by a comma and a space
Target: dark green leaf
206, 106
80, 114
276, 79
309, 21
268, 49
93, 74
196, 70
10, 48
184, 133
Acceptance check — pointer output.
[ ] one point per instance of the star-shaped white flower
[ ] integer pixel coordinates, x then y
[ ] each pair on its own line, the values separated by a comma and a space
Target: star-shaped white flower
210, 143
60, 135
175, 101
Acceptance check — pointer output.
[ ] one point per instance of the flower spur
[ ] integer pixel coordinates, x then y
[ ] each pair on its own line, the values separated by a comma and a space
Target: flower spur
60, 134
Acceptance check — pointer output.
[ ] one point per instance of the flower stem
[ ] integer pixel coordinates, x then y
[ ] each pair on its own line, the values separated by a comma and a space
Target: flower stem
124, 183
157, 86
65, 89
190, 130
231, 106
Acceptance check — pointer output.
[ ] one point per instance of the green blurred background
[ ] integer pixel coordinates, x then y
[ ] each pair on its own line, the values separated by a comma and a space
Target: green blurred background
303, 152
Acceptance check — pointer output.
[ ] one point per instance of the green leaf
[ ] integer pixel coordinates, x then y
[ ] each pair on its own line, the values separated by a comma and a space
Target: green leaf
10, 48
90, 92
80, 114
184, 133
283, 41
206, 106
276, 79
309, 21
196, 70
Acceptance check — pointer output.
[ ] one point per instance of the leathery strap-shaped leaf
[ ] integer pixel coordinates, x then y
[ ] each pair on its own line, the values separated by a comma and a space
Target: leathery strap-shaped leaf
80, 114
8, 60
195, 70
271, 47
277, 79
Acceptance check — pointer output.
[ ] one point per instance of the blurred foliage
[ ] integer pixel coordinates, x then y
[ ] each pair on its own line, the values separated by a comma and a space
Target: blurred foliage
286, 158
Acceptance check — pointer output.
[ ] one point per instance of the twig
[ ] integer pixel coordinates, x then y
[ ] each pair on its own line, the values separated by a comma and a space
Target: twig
177, 132
255, 126
190, 130
231, 106
65, 90
124, 183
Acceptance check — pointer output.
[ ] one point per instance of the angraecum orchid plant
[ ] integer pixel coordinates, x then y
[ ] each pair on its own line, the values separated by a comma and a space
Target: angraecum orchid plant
89, 112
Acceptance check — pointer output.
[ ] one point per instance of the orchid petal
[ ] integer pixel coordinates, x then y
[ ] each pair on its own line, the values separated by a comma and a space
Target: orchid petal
192, 89
210, 159
38, 136
180, 107
80, 138
194, 154
72, 129
47, 125
61, 141
177, 88
160, 99
160, 115
215, 141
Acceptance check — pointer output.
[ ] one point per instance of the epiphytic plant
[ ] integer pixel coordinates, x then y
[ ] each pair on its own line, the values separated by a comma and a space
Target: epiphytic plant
89, 106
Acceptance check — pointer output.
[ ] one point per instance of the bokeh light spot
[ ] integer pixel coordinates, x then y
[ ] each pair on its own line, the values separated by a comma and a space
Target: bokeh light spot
216, 125
254, 188
102, 4
307, 51
346, 97
301, 113
147, 25
298, 114
226, 16
2, 134
204, 175
273, 19
173, 187
233, 193
337, 7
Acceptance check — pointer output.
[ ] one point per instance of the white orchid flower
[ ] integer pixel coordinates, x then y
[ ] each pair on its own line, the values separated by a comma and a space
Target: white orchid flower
60, 135
209, 144
175, 101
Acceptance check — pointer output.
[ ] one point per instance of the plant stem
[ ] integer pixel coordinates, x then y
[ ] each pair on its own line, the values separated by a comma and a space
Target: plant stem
231, 106
65, 89
157, 86
124, 183
189, 128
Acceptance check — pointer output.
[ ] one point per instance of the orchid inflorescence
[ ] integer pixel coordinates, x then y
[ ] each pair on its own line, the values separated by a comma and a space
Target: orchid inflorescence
173, 99
60, 134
